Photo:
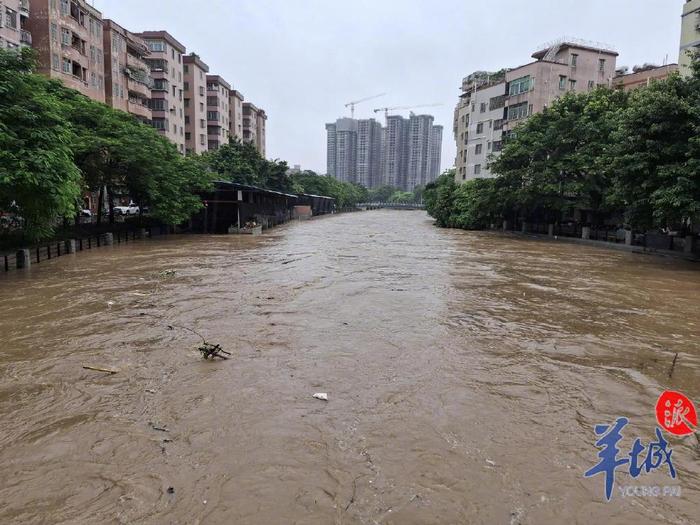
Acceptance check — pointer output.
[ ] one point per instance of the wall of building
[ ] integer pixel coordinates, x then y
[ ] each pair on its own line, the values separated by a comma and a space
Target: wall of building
167, 99
260, 137
218, 124
14, 16
690, 34
484, 131
631, 81
128, 80
195, 104
235, 104
368, 152
69, 44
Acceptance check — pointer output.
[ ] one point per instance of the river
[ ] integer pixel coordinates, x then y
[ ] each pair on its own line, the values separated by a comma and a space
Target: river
464, 371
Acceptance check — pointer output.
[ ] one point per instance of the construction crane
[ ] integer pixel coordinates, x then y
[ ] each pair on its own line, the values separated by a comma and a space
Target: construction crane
351, 105
386, 110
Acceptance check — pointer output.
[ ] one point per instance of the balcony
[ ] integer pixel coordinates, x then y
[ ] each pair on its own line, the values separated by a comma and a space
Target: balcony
135, 62
25, 37
138, 109
134, 86
24, 6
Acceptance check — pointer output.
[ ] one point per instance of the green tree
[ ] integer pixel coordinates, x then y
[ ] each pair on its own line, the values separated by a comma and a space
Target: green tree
37, 173
439, 198
655, 157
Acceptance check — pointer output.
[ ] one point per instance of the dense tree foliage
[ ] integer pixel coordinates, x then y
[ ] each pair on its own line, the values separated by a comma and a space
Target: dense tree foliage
38, 177
241, 162
344, 193
56, 145
608, 155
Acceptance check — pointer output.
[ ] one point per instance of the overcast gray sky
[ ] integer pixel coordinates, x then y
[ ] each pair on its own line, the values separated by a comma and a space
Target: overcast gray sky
302, 60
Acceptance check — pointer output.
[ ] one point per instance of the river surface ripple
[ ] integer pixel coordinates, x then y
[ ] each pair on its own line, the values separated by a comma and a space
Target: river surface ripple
465, 372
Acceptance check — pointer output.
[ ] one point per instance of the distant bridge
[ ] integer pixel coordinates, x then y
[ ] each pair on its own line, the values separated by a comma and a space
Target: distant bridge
390, 206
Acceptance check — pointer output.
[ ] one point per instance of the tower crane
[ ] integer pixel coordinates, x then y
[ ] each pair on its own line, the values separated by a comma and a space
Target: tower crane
386, 110
351, 105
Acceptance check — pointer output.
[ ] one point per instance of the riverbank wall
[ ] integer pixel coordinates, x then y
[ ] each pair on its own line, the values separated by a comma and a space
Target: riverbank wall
688, 252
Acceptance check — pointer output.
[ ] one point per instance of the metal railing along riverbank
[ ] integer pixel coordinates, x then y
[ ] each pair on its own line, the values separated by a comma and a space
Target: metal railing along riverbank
25, 257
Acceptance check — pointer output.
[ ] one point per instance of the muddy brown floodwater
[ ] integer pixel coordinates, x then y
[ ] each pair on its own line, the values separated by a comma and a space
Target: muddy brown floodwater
465, 372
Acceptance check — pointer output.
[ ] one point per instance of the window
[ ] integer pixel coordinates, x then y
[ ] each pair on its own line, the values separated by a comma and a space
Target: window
54, 32
488, 146
497, 102
66, 36
572, 84
202, 123
156, 45
201, 106
574, 59
174, 129
160, 84
201, 91
186, 68
473, 106
202, 140
518, 111
591, 84
480, 128
601, 65
478, 149
100, 81
173, 90
519, 85
187, 103
477, 169
188, 135
160, 123
497, 146
213, 115
157, 104
65, 7
186, 86
498, 124
67, 66
483, 107
562, 82
93, 55
187, 120
55, 62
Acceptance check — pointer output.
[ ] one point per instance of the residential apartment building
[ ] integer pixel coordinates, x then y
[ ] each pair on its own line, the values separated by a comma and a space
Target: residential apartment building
642, 76
489, 109
67, 36
250, 122
128, 79
235, 106
218, 92
167, 99
14, 15
562, 67
690, 34
405, 154
481, 109
260, 137
395, 152
195, 104
368, 156
342, 149
254, 126
424, 144
435, 154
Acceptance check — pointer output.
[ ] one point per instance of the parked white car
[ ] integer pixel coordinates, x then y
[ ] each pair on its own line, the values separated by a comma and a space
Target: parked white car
131, 209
